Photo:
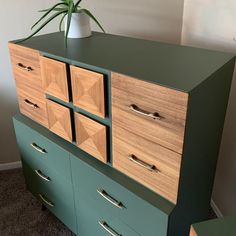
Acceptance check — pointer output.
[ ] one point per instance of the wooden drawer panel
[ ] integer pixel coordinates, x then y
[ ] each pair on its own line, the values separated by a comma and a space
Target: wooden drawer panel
32, 103
152, 165
59, 120
88, 90
25, 65
149, 110
38, 151
91, 137
54, 77
116, 201
55, 193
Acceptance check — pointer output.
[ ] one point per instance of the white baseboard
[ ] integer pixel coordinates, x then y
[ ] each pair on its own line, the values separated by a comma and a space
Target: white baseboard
216, 209
11, 165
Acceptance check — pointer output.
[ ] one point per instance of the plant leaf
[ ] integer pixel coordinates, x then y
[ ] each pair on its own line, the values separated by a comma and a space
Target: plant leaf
92, 16
49, 11
77, 4
60, 24
55, 9
69, 15
44, 24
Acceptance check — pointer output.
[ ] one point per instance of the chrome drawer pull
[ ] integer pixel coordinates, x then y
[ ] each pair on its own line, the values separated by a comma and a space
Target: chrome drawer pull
37, 148
42, 176
29, 103
27, 68
110, 199
111, 231
143, 164
142, 112
49, 203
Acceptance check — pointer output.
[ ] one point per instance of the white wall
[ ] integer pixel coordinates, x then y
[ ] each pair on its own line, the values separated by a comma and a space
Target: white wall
212, 24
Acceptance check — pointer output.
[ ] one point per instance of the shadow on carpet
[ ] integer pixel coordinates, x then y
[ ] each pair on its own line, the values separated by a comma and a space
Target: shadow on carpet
20, 212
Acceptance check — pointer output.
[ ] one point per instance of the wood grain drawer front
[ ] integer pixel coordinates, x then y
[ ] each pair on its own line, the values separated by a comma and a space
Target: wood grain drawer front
91, 137
116, 200
149, 110
88, 90
32, 104
59, 120
54, 78
150, 164
26, 65
56, 193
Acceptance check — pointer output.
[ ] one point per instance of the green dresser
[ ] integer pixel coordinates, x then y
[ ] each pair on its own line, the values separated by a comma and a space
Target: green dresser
120, 136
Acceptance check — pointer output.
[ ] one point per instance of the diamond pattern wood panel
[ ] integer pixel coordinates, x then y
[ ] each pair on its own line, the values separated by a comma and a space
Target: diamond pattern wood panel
59, 120
91, 137
54, 78
88, 90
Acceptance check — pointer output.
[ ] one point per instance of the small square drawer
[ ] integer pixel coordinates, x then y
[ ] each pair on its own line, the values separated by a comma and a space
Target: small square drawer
146, 162
54, 77
59, 120
88, 90
91, 137
154, 112
26, 65
32, 103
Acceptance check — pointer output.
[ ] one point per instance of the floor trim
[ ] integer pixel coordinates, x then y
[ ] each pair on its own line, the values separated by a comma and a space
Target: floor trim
11, 165
216, 209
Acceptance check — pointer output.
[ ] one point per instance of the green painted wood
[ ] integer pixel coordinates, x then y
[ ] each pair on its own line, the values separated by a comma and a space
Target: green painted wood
179, 67
225, 226
137, 214
205, 121
58, 191
54, 157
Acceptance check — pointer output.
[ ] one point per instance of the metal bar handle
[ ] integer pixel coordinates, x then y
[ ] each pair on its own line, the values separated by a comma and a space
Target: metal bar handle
28, 102
143, 164
37, 148
106, 227
110, 199
49, 203
27, 68
42, 176
136, 109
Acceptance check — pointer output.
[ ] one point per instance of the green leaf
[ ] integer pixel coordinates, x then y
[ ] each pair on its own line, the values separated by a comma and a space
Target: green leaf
49, 11
92, 16
55, 9
77, 4
43, 25
60, 24
69, 15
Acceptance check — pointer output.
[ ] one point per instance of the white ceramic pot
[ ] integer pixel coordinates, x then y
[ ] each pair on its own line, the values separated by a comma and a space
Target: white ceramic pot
79, 26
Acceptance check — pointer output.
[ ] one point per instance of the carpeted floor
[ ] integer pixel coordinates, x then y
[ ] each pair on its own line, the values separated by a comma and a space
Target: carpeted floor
20, 212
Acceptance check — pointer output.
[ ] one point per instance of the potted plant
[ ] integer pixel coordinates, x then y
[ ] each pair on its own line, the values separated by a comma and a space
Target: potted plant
77, 19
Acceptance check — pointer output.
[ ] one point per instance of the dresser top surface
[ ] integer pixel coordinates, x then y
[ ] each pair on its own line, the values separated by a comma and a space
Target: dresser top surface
178, 67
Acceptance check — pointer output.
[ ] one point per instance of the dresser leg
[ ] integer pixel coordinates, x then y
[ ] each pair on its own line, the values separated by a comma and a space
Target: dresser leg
43, 208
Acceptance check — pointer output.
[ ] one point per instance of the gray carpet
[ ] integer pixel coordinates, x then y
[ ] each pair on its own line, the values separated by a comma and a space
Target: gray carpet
20, 212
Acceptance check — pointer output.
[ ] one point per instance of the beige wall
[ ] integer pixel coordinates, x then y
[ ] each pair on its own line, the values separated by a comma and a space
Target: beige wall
212, 24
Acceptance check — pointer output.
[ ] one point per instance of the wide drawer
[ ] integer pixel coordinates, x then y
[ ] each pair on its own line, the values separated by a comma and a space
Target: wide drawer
32, 103
37, 150
109, 196
92, 222
55, 193
152, 165
149, 110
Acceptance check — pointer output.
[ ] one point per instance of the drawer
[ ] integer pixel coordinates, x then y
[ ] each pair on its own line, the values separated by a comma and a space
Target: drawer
25, 65
91, 137
107, 196
88, 90
54, 77
32, 103
38, 151
149, 110
152, 165
55, 193
59, 120
91, 222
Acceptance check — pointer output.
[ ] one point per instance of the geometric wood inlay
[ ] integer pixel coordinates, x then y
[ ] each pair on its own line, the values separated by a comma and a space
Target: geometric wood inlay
91, 137
88, 90
54, 78
59, 120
